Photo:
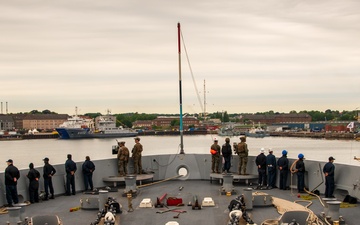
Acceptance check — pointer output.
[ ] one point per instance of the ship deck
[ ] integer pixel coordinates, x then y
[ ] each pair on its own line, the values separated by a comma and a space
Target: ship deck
184, 189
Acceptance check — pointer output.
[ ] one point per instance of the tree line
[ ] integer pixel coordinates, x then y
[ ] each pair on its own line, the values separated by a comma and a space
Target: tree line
126, 119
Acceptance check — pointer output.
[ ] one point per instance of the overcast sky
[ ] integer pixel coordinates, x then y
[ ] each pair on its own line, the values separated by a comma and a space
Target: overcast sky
255, 56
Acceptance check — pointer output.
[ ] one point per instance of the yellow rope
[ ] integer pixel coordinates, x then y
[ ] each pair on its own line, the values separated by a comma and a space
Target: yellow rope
158, 182
283, 206
347, 205
3, 210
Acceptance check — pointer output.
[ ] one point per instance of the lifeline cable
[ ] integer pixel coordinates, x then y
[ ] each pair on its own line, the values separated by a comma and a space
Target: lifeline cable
177, 154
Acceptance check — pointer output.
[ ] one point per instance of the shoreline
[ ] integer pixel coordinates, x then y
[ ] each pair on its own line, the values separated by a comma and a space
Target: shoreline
316, 135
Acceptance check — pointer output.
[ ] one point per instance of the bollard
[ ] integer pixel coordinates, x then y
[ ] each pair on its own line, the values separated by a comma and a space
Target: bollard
103, 197
130, 182
228, 183
14, 214
22, 210
326, 206
248, 198
334, 208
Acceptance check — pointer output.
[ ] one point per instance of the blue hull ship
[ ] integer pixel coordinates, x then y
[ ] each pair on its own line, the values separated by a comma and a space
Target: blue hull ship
80, 133
103, 127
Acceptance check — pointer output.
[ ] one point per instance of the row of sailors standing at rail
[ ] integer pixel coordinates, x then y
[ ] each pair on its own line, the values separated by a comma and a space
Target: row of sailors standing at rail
12, 175
240, 149
267, 165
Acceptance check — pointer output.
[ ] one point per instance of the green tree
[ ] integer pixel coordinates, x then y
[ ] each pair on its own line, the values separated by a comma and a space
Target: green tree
34, 111
46, 111
225, 117
175, 122
92, 115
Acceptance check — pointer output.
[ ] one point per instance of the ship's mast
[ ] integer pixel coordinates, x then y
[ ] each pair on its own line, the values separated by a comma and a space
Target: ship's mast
180, 93
204, 101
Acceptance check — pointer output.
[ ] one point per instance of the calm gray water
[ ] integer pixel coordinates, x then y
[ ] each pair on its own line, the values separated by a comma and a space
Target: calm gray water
25, 151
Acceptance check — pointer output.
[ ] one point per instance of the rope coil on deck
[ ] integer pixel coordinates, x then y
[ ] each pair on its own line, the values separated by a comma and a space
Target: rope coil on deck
283, 206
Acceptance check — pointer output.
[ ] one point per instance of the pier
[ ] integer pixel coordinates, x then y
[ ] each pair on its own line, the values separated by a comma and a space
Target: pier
325, 135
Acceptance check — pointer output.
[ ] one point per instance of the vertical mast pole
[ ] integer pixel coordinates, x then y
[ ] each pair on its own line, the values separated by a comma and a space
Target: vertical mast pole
204, 101
180, 93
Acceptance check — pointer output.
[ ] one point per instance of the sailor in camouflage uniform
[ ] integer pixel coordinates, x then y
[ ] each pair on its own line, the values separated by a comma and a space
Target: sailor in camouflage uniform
123, 158
243, 152
136, 155
215, 158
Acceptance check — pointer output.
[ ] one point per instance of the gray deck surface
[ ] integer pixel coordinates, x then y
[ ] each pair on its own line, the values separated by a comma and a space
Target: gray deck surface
217, 215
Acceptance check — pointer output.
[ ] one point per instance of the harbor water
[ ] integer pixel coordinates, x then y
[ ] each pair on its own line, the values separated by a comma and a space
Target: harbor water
25, 151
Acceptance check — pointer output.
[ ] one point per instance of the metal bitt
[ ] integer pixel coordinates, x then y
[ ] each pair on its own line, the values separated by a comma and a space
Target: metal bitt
334, 207
103, 196
130, 182
22, 210
14, 215
228, 188
248, 198
326, 206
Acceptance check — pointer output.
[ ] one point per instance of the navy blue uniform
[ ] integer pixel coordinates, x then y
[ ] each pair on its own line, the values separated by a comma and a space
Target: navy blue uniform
11, 172
329, 171
88, 168
48, 173
34, 177
300, 166
227, 153
271, 168
261, 164
70, 168
283, 165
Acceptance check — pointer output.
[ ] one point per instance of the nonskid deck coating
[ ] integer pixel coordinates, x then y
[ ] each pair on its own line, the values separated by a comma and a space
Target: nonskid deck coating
202, 188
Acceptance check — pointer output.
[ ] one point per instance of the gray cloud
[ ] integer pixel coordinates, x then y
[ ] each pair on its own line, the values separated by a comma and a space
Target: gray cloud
254, 55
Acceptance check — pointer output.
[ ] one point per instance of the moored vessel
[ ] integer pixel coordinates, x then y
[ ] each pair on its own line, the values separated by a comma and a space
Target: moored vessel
104, 127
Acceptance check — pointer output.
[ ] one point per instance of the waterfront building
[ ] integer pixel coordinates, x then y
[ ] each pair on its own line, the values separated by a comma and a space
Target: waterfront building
6, 122
41, 121
276, 118
165, 121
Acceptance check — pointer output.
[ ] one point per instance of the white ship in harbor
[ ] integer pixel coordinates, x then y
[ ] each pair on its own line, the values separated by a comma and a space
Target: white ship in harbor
104, 127
257, 132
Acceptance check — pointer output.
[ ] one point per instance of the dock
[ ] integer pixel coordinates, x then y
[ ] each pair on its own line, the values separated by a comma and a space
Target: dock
321, 135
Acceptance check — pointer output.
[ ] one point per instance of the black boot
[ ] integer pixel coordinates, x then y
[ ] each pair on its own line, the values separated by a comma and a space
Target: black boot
52, 196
